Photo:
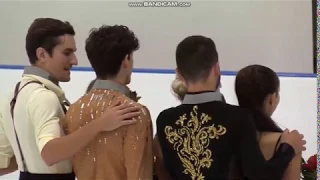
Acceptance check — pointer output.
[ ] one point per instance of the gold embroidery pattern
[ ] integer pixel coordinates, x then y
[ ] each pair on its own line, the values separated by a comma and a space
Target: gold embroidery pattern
191, 141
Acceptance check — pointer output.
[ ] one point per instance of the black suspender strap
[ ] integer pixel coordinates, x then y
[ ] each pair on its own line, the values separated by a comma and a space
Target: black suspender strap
12, 105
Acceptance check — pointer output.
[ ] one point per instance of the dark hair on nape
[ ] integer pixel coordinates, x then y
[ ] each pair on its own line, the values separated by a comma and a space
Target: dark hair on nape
195, 57
252, 85
44, 32
90, 86
106, 48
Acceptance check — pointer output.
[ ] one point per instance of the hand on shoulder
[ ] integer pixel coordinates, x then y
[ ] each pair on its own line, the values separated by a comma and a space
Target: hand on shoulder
295, 139
118, 115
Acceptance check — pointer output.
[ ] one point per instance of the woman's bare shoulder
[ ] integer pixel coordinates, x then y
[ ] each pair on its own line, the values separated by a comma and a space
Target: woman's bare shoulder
268, 143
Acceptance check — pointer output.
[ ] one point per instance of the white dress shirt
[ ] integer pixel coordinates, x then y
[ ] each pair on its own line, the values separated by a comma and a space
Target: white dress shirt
37, 117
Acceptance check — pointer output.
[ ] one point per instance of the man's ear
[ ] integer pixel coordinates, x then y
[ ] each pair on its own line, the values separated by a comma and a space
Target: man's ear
128, 57
216, 69
125, 62
41, 54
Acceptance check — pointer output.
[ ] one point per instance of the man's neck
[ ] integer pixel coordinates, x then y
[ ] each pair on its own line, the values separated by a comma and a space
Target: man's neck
116, 80
198, 87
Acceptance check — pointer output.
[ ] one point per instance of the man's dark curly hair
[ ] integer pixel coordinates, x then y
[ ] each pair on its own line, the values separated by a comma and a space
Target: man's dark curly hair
107, 47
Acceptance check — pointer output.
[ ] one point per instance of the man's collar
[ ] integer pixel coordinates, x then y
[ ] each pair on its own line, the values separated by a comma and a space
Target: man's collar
107, 84
202, 97
33, 70
38, 74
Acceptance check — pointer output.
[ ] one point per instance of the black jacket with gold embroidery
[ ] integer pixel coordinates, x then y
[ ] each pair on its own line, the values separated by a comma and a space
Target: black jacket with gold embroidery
208, 141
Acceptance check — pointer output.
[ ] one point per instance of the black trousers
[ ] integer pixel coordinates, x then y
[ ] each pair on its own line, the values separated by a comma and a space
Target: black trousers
31, 176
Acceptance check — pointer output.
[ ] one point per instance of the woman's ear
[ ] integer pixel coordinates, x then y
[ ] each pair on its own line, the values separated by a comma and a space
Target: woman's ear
268, 99
271, 100
274, 97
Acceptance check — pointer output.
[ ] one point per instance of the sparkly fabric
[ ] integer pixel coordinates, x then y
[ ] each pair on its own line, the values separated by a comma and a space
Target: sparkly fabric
125, 153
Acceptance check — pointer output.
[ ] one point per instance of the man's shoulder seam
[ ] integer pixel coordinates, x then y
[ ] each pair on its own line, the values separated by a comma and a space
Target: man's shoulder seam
43, 93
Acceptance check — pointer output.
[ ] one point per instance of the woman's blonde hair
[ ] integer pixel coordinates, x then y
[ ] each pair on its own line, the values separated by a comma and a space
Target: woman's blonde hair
179, 88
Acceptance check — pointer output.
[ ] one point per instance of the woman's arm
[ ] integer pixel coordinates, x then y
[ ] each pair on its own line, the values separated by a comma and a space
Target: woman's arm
254, 164
293, 172
160, 170
294, 169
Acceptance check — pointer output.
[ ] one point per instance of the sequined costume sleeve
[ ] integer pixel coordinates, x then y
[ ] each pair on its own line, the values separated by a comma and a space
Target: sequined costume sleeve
253, 162
138, 148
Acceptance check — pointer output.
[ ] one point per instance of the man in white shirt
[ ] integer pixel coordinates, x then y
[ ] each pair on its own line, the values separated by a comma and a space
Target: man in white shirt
30, 128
